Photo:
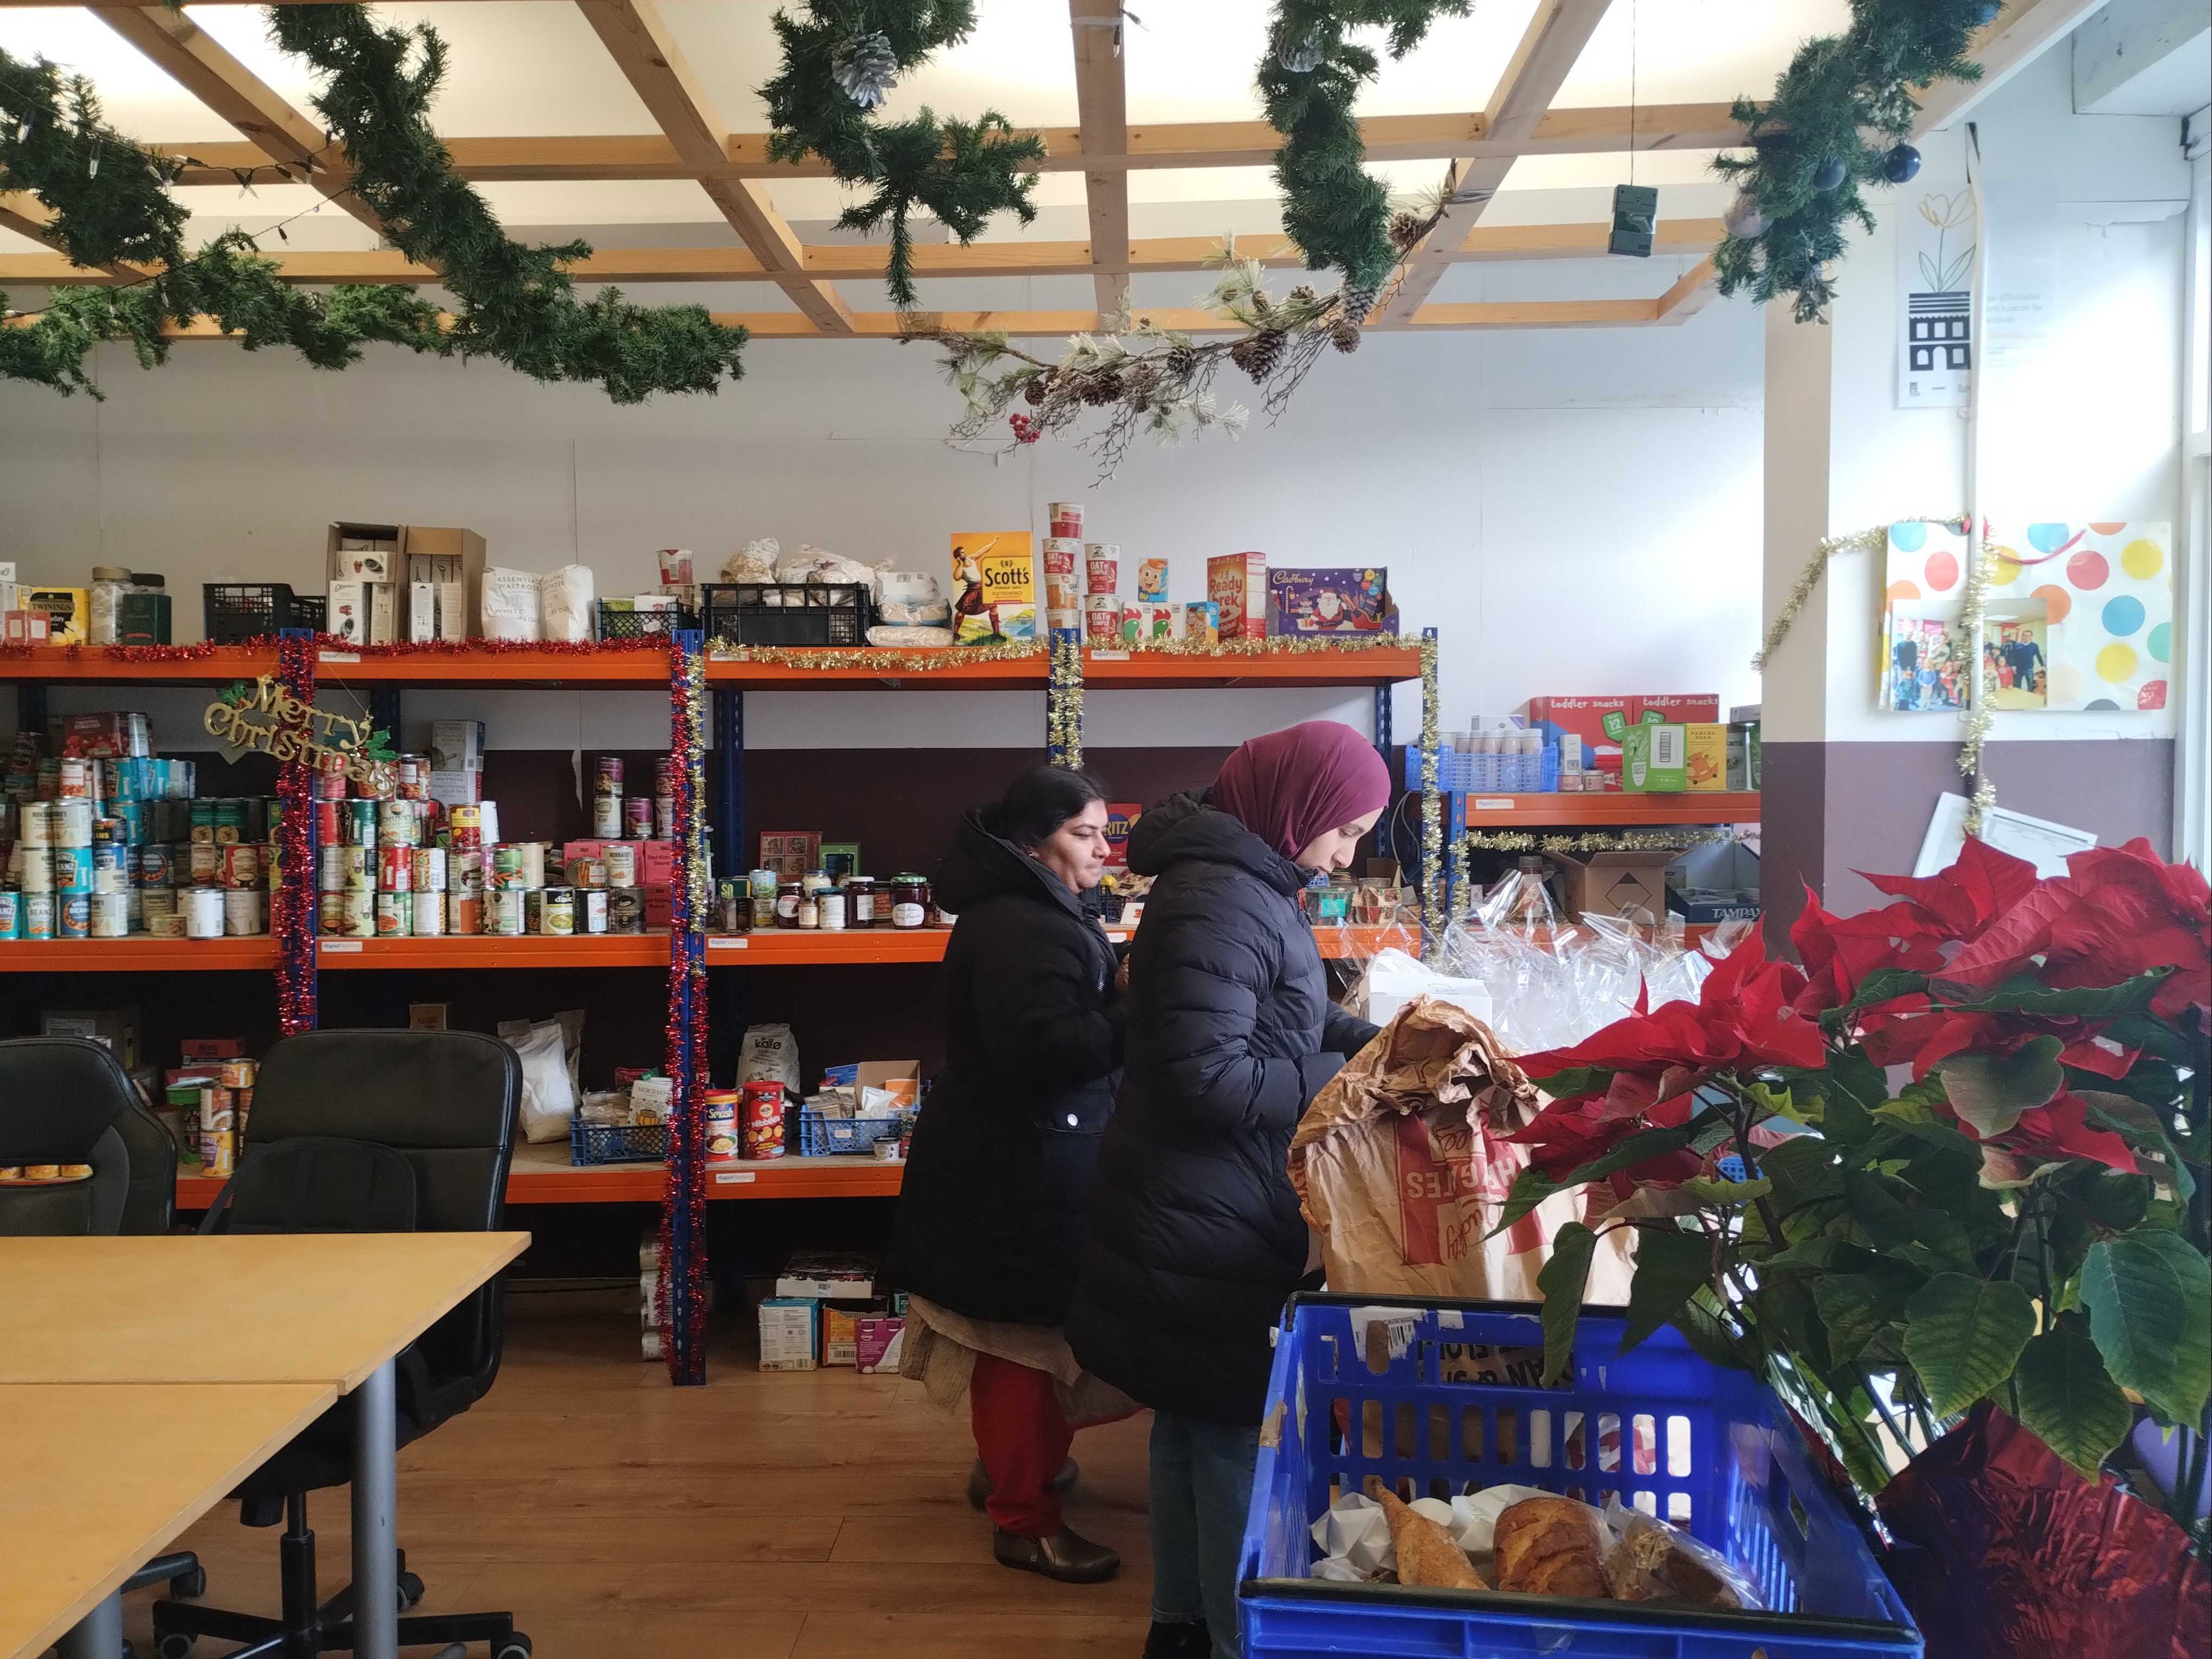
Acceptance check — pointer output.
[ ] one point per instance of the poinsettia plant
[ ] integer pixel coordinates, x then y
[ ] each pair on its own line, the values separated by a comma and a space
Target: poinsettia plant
1959, 1153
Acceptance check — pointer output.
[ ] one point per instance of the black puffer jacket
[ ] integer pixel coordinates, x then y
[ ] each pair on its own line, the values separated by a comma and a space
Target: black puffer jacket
992, 1209
1195, 1237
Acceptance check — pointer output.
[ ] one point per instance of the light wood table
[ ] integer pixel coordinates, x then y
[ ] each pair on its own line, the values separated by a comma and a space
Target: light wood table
328, 1309
97, 1479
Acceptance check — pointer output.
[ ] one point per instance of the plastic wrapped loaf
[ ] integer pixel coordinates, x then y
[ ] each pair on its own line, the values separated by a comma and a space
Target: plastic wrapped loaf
911, 638
813, 564
910, 598
753, 562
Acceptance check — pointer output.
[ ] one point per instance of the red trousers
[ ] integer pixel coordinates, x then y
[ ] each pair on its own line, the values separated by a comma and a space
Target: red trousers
1023, 1440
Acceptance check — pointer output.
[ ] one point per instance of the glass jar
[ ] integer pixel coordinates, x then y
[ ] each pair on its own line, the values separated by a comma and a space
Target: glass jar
909, 901
787, 904
104, 603
810, 911
860, 900
815, 881
831, 904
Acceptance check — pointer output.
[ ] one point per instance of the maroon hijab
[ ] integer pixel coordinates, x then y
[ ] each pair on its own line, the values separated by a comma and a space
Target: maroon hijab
1290, 787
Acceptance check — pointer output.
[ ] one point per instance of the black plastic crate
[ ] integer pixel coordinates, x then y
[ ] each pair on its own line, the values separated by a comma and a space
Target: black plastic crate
788, 613
621, 624
310, 610
255, 611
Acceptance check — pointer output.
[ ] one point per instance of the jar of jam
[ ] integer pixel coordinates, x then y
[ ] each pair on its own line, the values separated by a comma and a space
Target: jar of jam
909, 901
860, 902
787, 904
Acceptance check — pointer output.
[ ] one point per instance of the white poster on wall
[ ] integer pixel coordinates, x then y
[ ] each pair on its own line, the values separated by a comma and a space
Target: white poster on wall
1935, 288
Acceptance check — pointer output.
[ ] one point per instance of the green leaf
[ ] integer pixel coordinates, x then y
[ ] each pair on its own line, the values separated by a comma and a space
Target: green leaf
1855, 1311
1804, 1171
1670, 1267
2068, 1400
1722, 1194
2114, 1199
1561, 1282
2026, 994
1963, 1335
1991, 1090
1702, 1326
1529, 1189
1779, 1102
1880, 985
1577, 1081
2148, 1294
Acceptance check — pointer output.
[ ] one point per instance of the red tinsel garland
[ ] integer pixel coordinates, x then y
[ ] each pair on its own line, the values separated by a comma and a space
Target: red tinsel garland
680, 1306
202, 650
292, 897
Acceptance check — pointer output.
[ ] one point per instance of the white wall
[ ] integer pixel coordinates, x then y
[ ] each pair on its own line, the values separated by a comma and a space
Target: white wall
1575, 511
2090, 429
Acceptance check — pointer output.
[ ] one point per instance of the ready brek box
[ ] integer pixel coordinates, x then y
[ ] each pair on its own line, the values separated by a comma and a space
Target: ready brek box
994, 587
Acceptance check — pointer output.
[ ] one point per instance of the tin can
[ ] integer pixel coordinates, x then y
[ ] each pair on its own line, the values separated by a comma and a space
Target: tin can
111, 867
110, 916
625, 910
664, 816
556, 913
337, 868
73, 782
35, 823
11, 913
359, 827
166, 924
38, 916
237, 1074
203, 907
397, 824
607, 775
395, 915
427, 867
242, 865
36, 872
218, 1153
721, 1108
760, 1110
203, 820
359, 913
73, 915
329, 914
464, 872
157, 864
395, 870
464, 827
606, 817
429, 918
507, 867
533, 863
637, 818
203, 864
504, 912
621, 864
72, 869
330, 822
591, 910
832, 905
229, 822
331, 780
465, 912
410, 777
243, 915
72, 823
1065, 519
586, 873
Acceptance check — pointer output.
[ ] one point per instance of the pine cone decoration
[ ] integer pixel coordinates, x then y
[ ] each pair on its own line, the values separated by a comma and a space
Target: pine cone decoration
1262, 304
1182, 362
1304, 296
1140, 385
1103, 389
864, 69
1257, 355
1345, 337
1358, 302
1405, 230
1034, 393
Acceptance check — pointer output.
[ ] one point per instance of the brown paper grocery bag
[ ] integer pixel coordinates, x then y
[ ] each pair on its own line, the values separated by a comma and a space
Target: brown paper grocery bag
1401, 1169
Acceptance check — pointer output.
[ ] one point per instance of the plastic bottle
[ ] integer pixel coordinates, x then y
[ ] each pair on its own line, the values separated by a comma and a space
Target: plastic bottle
1485, 764
1532, 764
105, 602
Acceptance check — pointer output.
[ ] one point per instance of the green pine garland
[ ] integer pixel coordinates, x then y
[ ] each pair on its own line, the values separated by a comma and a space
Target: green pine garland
1836, 89
1336, 211
518, 304
839, 58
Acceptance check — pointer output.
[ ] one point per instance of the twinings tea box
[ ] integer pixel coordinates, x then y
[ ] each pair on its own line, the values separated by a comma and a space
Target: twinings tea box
994, 587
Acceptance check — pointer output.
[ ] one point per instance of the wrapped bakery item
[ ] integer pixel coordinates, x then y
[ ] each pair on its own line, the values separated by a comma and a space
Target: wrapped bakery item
814, 564
1651, 1561
1552, 1547
912, 638
565, 608
912, 598
753, 562
1426, 1554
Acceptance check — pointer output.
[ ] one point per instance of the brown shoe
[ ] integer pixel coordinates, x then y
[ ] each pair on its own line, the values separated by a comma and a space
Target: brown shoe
979, 1481
1067, 1555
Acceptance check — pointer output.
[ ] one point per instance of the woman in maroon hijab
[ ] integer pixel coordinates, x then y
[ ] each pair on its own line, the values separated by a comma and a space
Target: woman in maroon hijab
1195, 1237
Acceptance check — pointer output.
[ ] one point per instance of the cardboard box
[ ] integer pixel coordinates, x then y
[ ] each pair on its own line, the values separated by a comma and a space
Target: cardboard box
787, 1335
457, 788
1600, 719
67, 612
1633, 885
994, 587
841, 858
361, 613
878, 1344
207, 1048
1743, 756
427, 1016
1120, 817
1705, 755
827, 1276
457, 746
440, 570
1715, 884
1340, 600
1152, 580
115, 1030
1654, 759
790, 852
1678, 707
840, 1323
27, 628
1237, 585
899, 1078
1201, 622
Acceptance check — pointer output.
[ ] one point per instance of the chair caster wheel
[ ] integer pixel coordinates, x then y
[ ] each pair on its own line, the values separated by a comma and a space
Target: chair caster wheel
411, 1590
516, 1646
175, 1645
189, 1586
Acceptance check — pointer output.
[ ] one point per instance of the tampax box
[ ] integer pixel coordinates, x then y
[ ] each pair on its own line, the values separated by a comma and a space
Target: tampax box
994, 587
1237, 585
878, 1344
787, 1335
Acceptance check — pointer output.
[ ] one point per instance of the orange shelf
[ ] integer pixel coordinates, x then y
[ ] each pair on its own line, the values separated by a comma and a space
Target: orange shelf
629, 670
1011, 674
1710, 806
780, 947
486, 950
92, 663
1167, 671
138, 954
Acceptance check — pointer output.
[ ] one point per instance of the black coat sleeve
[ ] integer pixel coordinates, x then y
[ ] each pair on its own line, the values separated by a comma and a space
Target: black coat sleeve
1346, 1034
1203, 983
1050, 1020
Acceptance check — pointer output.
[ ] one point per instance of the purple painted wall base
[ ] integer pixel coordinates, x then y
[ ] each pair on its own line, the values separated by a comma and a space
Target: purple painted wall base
1829, 810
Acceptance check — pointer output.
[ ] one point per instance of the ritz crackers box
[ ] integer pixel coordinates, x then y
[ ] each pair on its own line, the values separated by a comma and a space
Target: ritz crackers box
994, 587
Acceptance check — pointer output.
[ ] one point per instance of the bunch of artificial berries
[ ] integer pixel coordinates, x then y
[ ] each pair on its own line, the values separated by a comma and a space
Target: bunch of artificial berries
1026, 430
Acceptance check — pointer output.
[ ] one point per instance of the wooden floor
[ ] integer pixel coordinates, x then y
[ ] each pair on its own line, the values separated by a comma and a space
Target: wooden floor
813, 1516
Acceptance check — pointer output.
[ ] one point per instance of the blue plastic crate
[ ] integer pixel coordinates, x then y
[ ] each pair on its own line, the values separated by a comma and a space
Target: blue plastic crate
626, 1143
823, 1137
1688, 1441
1455, 772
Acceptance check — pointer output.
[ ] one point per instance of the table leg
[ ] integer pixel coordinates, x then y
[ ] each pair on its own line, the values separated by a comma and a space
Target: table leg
375, 1540
98, 1635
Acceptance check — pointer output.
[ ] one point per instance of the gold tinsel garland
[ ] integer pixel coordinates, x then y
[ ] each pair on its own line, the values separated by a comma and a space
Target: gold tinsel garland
927, 659
1064, 703
1432, 827
1594, 840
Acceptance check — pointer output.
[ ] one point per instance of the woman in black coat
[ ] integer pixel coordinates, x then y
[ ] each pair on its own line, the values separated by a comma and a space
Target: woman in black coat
1195, 1239
992, 1209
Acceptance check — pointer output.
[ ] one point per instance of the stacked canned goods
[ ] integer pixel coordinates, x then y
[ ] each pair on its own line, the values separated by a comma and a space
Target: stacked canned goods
107, 840
397, 865
619, 817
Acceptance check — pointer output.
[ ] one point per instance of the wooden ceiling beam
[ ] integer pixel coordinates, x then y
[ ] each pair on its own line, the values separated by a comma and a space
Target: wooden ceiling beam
865, 261
27, 215
1541, 62
198, 63
1102, 107
1595, 130
654, 65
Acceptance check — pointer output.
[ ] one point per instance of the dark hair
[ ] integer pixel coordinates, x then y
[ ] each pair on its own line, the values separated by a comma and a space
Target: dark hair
1043, 799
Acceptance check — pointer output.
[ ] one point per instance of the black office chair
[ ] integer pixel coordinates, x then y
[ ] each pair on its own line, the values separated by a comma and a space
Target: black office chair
368, 1132
68, 1100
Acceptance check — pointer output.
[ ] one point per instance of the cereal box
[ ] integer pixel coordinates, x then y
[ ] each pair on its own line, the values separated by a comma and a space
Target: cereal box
994, 587
1201, 622
1237, 585
1152, 580
1346, 600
